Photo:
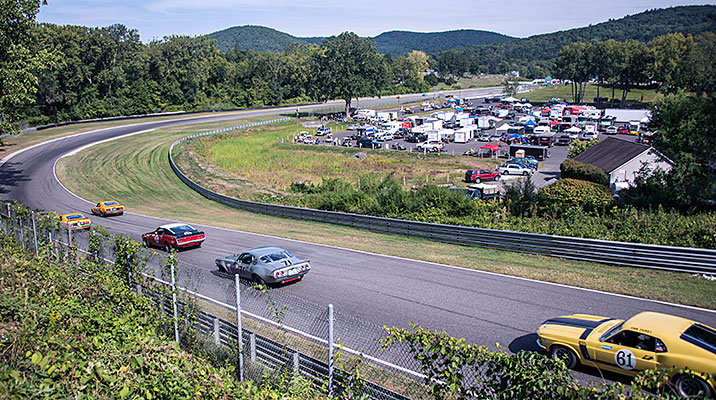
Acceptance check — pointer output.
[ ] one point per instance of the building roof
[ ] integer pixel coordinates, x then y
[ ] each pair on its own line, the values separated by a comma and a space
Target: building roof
611, 153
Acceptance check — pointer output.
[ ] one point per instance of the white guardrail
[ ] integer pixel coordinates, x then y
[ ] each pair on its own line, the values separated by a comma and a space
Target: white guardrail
671, 258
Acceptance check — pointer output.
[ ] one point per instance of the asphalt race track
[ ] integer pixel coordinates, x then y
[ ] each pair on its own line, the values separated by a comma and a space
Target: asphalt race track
484, 308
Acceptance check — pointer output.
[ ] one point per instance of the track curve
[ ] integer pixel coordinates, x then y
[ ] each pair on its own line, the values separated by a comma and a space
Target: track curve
485, 308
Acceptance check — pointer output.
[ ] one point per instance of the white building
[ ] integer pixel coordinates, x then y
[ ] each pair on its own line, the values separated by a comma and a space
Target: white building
623, 160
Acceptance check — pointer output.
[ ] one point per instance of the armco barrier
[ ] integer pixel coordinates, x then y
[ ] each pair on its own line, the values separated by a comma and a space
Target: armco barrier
680, 259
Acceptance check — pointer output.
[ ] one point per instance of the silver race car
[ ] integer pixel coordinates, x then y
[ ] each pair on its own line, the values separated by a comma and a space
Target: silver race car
265, 265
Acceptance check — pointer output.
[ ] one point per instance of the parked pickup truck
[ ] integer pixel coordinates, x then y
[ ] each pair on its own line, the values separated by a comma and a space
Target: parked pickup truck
429, 146
479, 175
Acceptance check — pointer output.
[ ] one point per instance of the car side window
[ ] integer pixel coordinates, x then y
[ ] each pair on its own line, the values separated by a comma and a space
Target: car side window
247, 258
637, 340
160, 231
97, 205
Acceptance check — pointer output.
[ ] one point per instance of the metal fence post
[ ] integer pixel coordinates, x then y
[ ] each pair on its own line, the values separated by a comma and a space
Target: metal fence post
69, 237
330, 351
174, 305
34, 232
240, 341
22, 235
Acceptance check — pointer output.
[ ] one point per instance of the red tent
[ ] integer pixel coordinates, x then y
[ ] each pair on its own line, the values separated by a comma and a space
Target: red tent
492, 147
554, 122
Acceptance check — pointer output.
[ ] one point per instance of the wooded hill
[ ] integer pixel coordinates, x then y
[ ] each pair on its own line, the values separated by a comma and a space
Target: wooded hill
533, 56
260, 38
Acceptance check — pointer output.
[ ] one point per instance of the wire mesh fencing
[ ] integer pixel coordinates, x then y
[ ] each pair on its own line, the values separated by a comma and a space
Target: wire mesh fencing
285, 340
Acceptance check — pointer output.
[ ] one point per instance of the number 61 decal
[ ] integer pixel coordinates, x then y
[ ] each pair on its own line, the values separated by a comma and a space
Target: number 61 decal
625, 359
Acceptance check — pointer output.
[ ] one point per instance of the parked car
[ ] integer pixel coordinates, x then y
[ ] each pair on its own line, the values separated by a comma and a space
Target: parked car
479, 175
174, 236
75, 221
106, 208
484, 137
564, 140
265, 265
398, 146
611, 130
352, 127
684, 348
495, 137
589, 135
429, 146
623, 131
368, 142
515, 169
384, 136
324, 130
529, 161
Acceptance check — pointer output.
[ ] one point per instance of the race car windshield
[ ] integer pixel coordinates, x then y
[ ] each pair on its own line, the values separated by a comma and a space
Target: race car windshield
611, 332
183, 229
701, 336
278, 256
74, 216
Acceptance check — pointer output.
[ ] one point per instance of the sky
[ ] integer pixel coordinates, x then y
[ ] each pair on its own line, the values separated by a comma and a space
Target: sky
154, 19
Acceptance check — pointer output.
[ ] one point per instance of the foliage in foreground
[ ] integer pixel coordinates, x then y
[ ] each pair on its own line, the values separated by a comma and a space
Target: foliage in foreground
77, 331
455, 369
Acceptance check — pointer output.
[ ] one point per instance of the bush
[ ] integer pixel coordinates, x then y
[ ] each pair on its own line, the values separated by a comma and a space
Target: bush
573, 192
579, 146
586, 172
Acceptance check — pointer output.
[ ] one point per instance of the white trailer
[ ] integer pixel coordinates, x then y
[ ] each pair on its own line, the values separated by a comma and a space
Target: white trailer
625, 116
433, 136
463, 135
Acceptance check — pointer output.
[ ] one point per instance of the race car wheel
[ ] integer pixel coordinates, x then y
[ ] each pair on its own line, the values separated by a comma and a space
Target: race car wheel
478, 180
221, 267
691, 386
258, 280
167, 247
146, 242
497, 178
101, 213
565, 354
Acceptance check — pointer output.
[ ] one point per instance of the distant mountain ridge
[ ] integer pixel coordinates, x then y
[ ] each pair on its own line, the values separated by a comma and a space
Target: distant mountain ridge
642, 26
261, 38
538, 51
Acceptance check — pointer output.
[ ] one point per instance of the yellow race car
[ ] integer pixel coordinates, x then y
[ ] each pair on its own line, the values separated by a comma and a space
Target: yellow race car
647, 340
105, 208
75, 221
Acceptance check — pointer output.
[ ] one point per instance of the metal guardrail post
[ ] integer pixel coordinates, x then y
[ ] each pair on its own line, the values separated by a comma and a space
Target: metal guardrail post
174, 305
217, 335
330, 351
240, 347
252, 346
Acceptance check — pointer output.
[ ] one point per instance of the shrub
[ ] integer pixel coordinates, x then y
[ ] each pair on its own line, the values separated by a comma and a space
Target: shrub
574, 192
579, 146
586, 172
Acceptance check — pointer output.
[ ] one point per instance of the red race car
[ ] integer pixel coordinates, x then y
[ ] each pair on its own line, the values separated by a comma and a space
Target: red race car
178, 236
479, 175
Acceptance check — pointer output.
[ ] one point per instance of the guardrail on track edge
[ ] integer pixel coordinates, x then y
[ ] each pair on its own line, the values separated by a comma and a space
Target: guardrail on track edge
671, 258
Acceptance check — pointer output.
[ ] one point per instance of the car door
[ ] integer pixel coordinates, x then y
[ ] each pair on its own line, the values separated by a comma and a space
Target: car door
627, 352
245, 261
156, 237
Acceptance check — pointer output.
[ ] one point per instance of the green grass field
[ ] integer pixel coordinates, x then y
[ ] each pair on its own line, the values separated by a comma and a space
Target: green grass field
136, 172
259, 157
564, 92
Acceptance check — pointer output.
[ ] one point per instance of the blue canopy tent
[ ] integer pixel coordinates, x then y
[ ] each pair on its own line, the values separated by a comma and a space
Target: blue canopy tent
530, 123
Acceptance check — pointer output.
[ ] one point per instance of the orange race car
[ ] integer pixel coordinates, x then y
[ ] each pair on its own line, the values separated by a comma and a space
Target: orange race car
106, 208
75, 221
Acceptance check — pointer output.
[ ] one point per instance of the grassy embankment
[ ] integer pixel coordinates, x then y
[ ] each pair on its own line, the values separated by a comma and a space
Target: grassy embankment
71, 331
137, 173
564, 92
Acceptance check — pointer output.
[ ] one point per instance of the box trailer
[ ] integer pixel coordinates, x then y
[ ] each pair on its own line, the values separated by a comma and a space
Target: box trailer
538, 152
624, 116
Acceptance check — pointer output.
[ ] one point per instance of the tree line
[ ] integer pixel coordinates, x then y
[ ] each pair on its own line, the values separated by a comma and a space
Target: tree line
52, 73
673, 61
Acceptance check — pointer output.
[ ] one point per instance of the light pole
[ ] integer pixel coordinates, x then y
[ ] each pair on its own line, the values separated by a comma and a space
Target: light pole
297, 121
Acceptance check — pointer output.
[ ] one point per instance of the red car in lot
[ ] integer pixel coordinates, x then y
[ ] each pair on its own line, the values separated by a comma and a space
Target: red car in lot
480, 175
177, 236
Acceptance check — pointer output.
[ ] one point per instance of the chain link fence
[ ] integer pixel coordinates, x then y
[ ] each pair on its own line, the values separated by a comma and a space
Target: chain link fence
287, 341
